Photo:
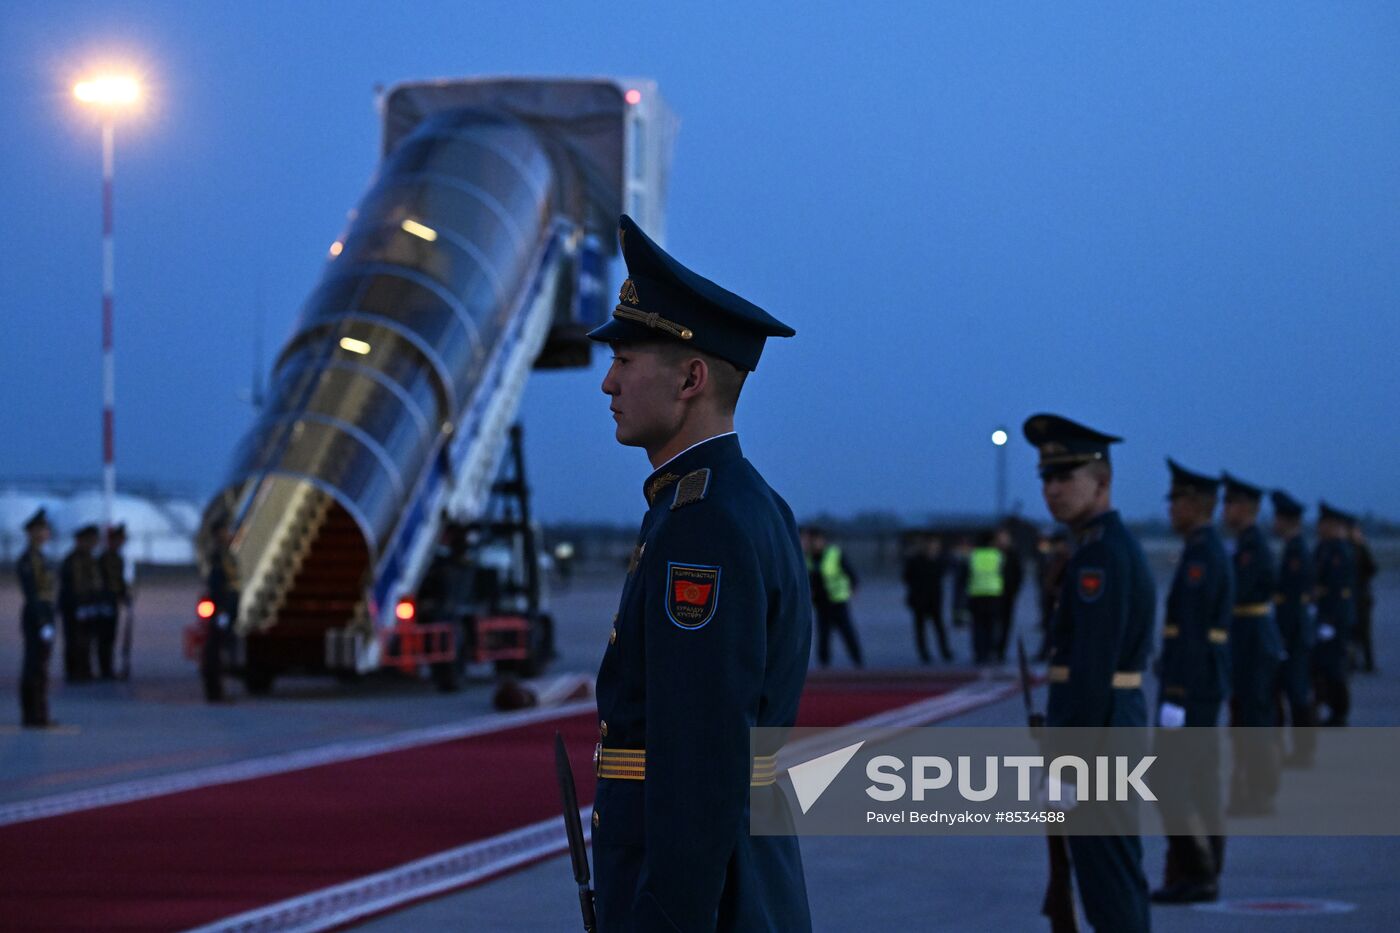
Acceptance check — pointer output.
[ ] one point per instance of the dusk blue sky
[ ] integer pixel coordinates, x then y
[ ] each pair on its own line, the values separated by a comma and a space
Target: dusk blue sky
1178, 222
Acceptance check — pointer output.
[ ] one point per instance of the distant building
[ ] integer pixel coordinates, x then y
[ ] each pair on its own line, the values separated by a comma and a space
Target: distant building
160, 527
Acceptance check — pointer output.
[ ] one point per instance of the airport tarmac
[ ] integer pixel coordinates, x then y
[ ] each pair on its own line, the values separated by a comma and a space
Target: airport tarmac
157, 725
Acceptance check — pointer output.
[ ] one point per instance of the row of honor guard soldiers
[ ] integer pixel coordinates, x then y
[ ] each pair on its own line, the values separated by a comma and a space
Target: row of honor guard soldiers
87, 596
1241, 632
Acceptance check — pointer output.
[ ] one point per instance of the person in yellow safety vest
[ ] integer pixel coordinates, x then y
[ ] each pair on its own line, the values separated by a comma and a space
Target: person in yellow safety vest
833, 582
985, 588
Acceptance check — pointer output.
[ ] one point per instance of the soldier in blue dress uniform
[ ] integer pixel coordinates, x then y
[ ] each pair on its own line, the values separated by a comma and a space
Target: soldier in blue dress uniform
1101, 637
1335, 561
1293, 596
712, 634
1255, 651
1194, 673
36, 583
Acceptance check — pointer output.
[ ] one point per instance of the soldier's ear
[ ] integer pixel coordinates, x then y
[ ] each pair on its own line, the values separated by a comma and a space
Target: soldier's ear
697, 376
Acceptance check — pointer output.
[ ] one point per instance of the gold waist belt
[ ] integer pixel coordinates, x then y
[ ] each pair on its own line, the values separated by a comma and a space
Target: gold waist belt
630, 764
1253, 610
1122, 680
1217, 636
1280, 599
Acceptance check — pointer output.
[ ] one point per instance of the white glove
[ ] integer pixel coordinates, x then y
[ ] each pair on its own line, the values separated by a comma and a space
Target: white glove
1171, 716
1326, 632
1050, 787
46, 633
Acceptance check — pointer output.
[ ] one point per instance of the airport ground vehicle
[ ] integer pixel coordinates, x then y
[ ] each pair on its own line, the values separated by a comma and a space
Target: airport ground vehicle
478, 255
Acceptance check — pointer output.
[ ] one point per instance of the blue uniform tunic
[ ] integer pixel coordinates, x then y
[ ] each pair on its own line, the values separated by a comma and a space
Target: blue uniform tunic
711, 638
1194, 668
1102, 628
1255, 645
1297, 625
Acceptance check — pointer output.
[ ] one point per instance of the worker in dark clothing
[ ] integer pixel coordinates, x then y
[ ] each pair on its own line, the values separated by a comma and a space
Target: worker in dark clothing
36, 585
923, 593
1013, 574
115, 599
79, 603
833, 583
1293, 598
962, 573
1366, 569
223, 585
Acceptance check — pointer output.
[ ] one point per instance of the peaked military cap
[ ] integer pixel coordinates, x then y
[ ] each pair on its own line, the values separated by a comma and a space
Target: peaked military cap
117, 531
1065, 444
37, 520
86, 531
1190, 481
1236, 488
662, 299
1325, 511
1285, 505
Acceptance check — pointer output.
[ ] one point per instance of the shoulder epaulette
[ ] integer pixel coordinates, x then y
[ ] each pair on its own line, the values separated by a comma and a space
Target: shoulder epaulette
691, 488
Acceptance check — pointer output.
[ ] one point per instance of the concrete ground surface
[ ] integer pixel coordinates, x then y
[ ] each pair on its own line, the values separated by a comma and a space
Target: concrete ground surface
158, 724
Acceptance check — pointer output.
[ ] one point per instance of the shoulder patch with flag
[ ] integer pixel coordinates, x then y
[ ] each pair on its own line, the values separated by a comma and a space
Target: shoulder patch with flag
1090, 583
692, 594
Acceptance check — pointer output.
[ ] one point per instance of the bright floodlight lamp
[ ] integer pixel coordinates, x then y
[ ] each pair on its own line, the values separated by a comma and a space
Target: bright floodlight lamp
999, 437
108, 91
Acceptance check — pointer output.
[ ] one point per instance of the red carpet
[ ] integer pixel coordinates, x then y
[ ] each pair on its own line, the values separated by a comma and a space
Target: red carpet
186, 859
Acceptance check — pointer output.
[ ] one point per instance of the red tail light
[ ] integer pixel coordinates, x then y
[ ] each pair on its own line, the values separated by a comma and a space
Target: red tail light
405, 610
205, 609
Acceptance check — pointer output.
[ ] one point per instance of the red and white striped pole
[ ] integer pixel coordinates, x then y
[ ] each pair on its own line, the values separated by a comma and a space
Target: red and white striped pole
109, 466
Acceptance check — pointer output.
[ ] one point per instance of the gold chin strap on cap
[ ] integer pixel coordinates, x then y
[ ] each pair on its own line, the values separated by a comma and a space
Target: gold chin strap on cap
653, 320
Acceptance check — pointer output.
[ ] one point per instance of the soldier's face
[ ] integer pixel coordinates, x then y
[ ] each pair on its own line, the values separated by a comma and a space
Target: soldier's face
1072, 496
40, 536
1186, 511
644, 385
1240, 513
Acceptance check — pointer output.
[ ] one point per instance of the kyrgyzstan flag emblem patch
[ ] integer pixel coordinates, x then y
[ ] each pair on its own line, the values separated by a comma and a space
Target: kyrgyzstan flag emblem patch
692, 594
1090, 583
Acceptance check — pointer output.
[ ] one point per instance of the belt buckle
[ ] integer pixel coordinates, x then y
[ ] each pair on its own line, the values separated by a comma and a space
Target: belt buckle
598, 759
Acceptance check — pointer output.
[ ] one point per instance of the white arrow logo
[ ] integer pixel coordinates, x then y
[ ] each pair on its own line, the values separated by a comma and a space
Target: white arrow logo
811, 778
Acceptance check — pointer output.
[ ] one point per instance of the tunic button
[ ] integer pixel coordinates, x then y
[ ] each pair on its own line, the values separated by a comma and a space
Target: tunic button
612, 637
603, 728
595, 819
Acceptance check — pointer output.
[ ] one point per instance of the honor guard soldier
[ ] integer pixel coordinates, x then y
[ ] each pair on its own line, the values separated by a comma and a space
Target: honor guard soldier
712, 634
1255, 651
36, 619
1293, 596
116, 597
1101, 637
1336, 611
1194, 672
223, 585
79, 602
